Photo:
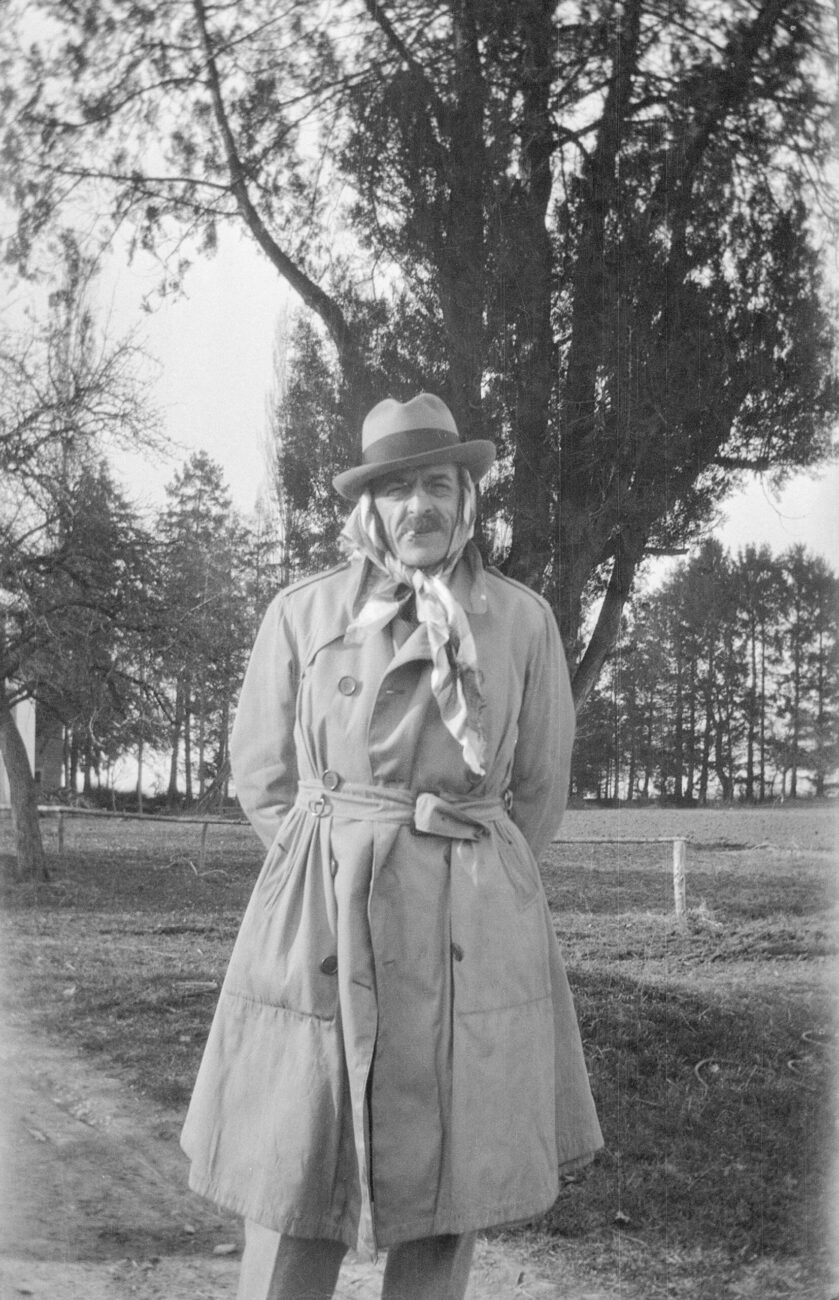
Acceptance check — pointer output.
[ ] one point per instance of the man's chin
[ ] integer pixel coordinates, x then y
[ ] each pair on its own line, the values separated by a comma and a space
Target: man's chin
422, 553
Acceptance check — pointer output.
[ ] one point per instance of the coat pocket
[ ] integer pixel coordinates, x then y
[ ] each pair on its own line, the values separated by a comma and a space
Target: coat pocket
283, 954
498, 927
519, 864
275, 875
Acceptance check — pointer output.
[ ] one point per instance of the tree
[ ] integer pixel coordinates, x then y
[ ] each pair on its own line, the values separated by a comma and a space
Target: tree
602, 212
66, 572
206, 620
303, 417
759, 579
94, 611
807, 684
723, 684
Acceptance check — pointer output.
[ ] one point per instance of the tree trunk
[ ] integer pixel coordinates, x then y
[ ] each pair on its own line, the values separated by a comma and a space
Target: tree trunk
691, 760
202, 739
30, 863
188, 800
752, 698
172, 791
762, 714
580, 540
796, 725
140, 775
707, 738
223, 760
632, 769
679, 737
73, 774
820, 763
720, 765
528, 293
648, 746
607, 627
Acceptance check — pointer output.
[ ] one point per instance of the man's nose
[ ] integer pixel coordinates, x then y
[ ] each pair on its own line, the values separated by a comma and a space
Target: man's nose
419, 500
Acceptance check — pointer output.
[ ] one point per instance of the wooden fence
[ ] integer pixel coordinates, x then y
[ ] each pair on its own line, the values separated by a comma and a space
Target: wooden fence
61, 812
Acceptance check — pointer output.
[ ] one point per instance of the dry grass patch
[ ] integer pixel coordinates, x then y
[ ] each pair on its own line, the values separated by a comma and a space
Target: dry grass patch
711, 1047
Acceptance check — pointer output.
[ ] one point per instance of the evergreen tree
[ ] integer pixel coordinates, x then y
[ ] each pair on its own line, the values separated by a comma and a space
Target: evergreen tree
599, 216
206, 621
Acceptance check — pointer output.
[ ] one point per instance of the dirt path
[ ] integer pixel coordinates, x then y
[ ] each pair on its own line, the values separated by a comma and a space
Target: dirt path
94, 1203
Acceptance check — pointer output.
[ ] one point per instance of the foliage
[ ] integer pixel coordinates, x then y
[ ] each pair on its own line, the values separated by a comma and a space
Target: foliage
599, 220
213, 585
88, 615
723, 683
304, 424
72, 553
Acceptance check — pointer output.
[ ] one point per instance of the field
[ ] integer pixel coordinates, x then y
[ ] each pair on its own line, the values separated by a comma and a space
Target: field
710, 1044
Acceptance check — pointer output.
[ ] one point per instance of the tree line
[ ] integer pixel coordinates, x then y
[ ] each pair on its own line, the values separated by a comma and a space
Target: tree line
723, 684
596, 229
132, 632
129, 632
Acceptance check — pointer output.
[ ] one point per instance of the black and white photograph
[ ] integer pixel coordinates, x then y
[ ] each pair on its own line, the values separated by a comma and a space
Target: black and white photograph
419, 650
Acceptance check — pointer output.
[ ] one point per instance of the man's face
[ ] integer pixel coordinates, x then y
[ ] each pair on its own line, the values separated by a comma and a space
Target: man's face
418, 511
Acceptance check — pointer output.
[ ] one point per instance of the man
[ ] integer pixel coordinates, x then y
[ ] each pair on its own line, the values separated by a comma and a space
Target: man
395, 1060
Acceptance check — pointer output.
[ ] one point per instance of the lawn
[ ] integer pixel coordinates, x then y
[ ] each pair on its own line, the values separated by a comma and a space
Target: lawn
710, 1044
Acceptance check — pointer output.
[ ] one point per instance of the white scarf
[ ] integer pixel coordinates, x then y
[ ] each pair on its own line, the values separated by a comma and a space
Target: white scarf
455, 676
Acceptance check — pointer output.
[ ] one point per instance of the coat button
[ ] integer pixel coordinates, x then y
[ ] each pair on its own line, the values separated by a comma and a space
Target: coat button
329, 965
331, 779
348, 685
457, 952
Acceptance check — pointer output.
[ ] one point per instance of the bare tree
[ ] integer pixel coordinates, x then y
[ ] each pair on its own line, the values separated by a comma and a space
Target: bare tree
65, 395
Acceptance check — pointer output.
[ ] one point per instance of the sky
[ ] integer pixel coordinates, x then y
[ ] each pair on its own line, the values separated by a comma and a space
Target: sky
214, 349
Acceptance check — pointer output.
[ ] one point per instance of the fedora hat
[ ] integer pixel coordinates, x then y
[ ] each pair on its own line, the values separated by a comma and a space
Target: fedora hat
403, 435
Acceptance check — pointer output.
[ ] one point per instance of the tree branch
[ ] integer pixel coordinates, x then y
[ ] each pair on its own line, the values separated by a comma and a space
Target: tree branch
731, 83
311, 293
628, 553
377, 13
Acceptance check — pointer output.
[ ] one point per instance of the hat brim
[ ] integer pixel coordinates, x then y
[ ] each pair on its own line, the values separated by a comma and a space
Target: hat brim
476, 456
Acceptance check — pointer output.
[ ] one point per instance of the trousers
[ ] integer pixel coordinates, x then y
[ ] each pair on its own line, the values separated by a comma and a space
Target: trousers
276, 1267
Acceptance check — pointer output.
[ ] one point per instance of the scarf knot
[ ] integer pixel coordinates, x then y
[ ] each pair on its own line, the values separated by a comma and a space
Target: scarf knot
455, 676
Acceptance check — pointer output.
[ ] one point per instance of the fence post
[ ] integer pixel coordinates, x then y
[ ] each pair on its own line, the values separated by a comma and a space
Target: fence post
679, 858
60, 833
203, 854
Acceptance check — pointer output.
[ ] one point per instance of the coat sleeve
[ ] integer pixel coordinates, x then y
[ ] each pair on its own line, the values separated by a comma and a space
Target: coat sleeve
542, 762
262, 749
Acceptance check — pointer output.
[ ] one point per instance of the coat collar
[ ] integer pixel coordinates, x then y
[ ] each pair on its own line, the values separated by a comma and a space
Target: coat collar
468, 583
335, 607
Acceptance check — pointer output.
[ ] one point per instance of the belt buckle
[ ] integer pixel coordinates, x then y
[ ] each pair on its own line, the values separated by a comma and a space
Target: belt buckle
319, 807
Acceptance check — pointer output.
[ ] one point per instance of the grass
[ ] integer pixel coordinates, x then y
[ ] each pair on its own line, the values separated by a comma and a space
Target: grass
710, 1046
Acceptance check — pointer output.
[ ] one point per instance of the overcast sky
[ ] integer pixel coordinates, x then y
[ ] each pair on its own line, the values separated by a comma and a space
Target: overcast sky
215, 348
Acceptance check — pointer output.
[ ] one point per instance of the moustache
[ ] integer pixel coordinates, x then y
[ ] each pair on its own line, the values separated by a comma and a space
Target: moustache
419, 524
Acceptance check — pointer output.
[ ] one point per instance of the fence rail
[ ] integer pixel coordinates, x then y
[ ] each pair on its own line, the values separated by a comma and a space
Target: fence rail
679, 843
60, 811
680, 853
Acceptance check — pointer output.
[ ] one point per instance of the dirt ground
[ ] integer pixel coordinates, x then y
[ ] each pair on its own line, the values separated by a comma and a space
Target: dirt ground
94, 1203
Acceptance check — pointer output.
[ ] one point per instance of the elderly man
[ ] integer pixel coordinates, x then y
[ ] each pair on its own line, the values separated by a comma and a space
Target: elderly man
395, 1061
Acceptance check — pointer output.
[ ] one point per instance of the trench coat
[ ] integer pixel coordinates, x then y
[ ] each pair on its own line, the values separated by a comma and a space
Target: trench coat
395, 1052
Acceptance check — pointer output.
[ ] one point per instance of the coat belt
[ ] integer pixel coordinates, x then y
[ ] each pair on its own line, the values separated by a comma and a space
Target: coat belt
426, 813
